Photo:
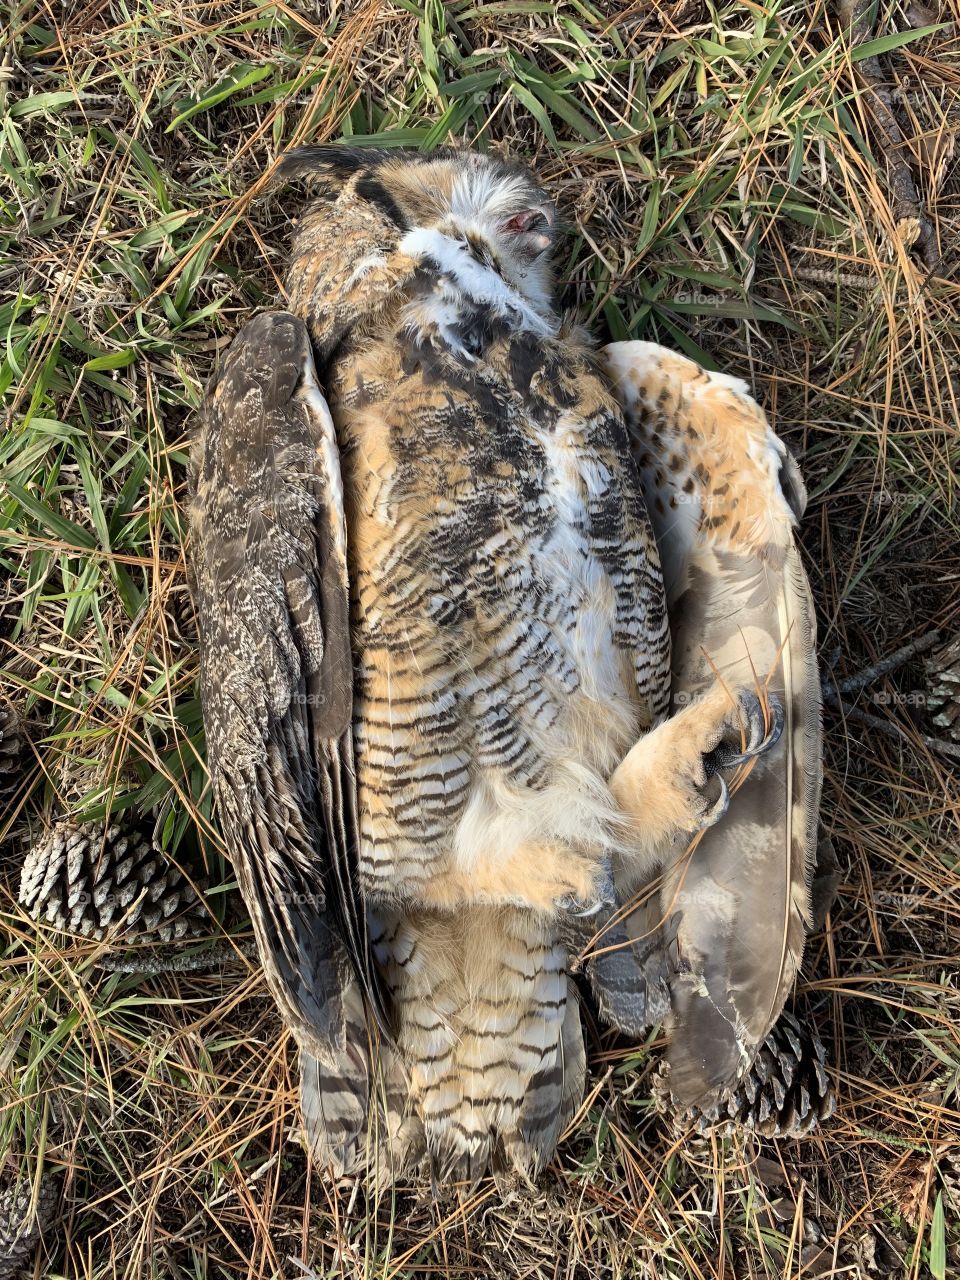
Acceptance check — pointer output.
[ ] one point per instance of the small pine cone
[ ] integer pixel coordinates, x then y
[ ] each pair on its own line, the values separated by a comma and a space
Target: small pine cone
948, 1168
943, 688
786, 1093
96, 883
20, 1227
11, 750
181, 618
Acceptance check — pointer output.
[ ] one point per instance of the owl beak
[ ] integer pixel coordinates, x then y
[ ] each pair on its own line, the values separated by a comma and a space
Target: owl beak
535, 225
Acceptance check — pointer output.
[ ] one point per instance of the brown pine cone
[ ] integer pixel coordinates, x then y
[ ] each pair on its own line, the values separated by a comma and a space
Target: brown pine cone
94, 882
943, 688
12, 745
20, 1226
786, 1093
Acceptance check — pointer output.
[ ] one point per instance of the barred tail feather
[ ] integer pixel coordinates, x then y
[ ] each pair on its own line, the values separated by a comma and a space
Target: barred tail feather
357, 1117
573, 1056
627, 973
488, 1032
334, 1096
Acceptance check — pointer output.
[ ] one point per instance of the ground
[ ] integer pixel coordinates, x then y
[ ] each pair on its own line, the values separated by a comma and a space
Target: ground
724, 190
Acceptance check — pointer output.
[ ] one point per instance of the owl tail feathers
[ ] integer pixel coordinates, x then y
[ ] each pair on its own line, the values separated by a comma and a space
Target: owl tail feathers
334, 1099
502, 1073
626, 967
551, 1101
356, 1116
347, 1131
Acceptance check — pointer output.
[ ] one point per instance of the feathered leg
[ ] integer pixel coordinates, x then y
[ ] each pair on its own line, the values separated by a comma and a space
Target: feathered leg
663, 783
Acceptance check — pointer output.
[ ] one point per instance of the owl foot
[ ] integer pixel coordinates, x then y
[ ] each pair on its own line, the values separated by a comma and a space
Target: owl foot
602, 899
550, 878
670, 784
760, 734
715, 811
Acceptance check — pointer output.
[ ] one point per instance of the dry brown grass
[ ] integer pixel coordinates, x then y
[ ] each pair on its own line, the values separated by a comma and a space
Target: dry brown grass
720, 182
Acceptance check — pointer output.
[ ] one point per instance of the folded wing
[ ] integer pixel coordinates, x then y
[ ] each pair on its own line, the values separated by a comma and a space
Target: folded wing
268, 560
724, 496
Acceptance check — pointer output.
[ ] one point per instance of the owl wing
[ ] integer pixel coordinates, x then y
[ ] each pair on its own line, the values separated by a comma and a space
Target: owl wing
270, 578
724, 496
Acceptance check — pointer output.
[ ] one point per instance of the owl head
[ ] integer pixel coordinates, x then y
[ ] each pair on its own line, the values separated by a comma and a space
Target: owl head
492, 206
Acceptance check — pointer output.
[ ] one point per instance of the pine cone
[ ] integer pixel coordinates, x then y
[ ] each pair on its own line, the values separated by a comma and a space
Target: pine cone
86, 881
943, 688
786, 1093
181, 618
11, 751
948, 1167
20, 1228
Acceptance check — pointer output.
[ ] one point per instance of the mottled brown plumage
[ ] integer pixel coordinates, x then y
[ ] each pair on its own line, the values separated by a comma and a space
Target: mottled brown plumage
432, 626
724, 496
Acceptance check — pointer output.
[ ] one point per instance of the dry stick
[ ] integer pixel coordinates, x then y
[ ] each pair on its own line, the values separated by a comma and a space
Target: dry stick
180, 962
891, 728
853, 684
832, 689
842, 279
854, 14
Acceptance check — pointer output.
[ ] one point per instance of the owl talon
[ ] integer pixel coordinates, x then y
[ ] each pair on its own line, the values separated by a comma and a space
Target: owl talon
760, 738
591, 909
582, 909
718, 808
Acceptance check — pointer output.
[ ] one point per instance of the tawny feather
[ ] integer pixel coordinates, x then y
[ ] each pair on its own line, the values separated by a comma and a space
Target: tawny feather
724, 496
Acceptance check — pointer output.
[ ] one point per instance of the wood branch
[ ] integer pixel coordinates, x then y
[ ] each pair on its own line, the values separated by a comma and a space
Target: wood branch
890, 727
153, 961
901, 656
855, 15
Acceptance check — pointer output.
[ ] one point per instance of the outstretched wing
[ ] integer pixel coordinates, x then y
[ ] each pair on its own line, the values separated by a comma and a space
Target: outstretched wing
268, 550
724, 495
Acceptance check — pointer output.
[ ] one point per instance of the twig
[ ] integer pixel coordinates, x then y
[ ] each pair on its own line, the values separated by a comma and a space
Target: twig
889, 727
840, 279
180, 962
853, 684
855, 15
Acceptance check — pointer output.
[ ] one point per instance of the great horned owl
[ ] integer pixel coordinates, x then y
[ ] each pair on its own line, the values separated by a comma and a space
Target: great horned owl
436, 674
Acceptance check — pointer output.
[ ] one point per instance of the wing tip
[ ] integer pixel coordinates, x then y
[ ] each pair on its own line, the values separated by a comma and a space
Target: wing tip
328, 160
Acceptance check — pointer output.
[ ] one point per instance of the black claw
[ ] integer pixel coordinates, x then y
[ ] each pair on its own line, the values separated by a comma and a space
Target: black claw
760, 739
718, 808
606, 898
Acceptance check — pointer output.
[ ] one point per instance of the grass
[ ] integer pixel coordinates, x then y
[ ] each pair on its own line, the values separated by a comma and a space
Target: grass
724, 193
